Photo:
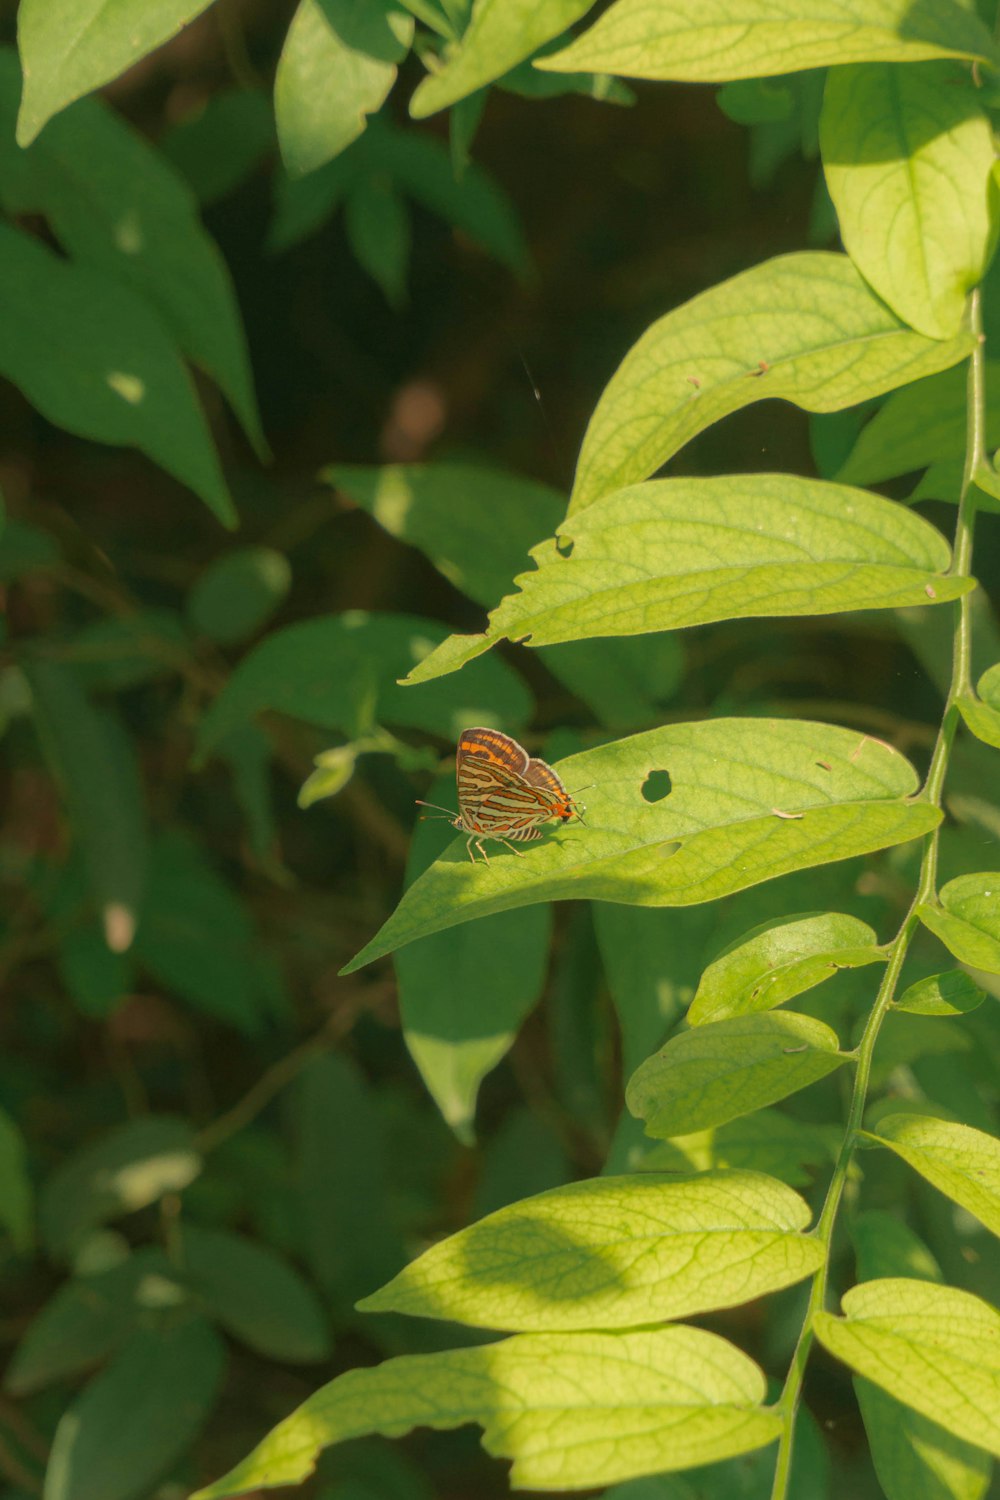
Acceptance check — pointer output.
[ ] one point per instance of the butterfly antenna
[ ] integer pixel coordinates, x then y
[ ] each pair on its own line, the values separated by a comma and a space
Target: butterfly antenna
445, 810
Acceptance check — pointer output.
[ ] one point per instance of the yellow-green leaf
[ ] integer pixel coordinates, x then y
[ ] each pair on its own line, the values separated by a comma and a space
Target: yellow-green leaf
982, 711
950, 994
961, 1162
968, 919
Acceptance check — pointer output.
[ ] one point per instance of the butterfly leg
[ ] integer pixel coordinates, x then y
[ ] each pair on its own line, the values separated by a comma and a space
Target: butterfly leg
507, 845
472, 840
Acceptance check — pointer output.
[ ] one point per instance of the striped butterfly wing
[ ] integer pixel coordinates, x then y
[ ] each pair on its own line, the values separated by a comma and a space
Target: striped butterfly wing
541, 775
494, 794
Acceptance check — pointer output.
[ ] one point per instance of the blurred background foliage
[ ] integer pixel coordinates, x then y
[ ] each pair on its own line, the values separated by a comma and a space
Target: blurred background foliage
217, 1144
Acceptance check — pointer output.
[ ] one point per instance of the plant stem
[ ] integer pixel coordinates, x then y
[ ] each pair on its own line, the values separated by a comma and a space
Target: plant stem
932, 792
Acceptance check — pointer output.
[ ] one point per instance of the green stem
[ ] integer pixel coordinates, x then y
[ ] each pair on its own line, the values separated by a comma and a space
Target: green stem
933, 789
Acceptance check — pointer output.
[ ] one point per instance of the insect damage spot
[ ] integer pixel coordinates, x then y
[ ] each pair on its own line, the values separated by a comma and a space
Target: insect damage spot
565, 545
656, 786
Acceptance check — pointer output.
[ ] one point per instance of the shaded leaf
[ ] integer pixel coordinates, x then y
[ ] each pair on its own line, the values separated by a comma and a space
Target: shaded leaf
908, 157
968, 919
708, 44
804, 327
717, 1073
220, 146
16, 1194
766, 1141
571, 1410
525, 1156
238, 592
25, 549
613, 1252
886, 1246
951, 994
651, 970
378, 229
915, 1458
256, 1295
708, 837
121, 651
783, 959
935, 1348
961, 1162
982, 712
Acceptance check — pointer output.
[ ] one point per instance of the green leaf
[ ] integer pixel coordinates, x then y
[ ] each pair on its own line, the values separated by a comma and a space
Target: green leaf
961, 1162
256, 1295
119, 377
349, 1241
885, 1246
120, 651
135, 1419
501, 34
915, 1458
766, 1141
705, 1077
16, 1196
982, 712
968, 919
69, 47
571, 1410
525, 1156
25, 549
613, 1252
651, 961
236, 595
126, 1169
378, 230
732, 818
707, 43
336, 68
89, 1317
920, 424
118, 207
338, 672
94, 762
907, 151
198, 940
784, 958
679, 552
219, 147
804, 327
950, 994
935, 1348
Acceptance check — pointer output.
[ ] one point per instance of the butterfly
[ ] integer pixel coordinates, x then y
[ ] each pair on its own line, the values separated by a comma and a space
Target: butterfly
503, 793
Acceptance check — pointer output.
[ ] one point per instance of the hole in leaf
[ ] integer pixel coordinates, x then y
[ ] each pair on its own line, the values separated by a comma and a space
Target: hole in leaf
656, 786
565, 545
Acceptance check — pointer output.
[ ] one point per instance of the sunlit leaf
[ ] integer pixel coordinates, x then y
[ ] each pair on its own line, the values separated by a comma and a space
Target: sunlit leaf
982, 711
804, 327
951, 994
571, 1410
968, 919
781, 795
961, 1162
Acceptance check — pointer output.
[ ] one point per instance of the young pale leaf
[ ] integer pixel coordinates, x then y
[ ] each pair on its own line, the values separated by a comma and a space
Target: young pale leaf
338, 672
69, 47
934, 1348
256, 1295
920, 424
613, 1252
501, 34
950, 994
748, 799
886, 1246
117, 206
126, 1169
95, 763
961, 1162
915, 1458
135, 1419
679, 552
781, 960
982, 712
708, 43
968, 919
805, 327
766, 1141
238, 593
572, 1410
119, 377
908, 156
336, 68
16, 1197
705, 1077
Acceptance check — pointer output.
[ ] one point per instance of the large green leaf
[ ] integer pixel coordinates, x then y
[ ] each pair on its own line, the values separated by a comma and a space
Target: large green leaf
935, 1348
135, 1419
256, 1295
613, 1252
915, 1458
709, 42
126, 1169
782, 960
119, 377
805, 327
69, 47
501, 34
963, 1163
748, 799
338, 672
982, 711
117, 205
95, 763
707, 1077
336, 68
968, 919
678, 552
908, 158
572, 1410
